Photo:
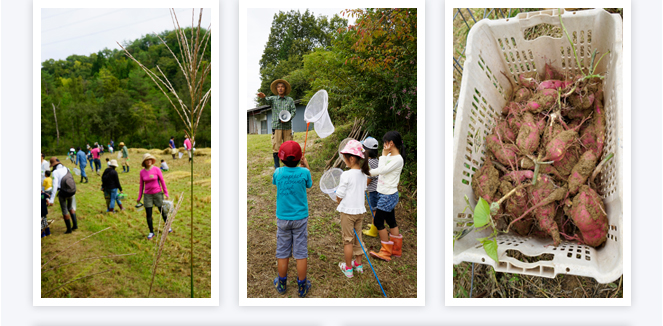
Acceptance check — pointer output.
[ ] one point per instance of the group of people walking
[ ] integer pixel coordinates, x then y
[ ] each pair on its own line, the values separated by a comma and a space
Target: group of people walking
58, 181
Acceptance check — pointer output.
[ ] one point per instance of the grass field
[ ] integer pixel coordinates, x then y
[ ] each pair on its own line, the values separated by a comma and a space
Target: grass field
325, 246
130, 275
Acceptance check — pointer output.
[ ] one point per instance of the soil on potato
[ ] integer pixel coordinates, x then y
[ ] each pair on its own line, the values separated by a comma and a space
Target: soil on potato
325, 246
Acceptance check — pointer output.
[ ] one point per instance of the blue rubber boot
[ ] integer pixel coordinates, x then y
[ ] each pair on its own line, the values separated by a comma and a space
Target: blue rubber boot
280, 283
304, 286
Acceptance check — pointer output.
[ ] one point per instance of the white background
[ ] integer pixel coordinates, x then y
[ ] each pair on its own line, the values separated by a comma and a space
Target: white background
16, 195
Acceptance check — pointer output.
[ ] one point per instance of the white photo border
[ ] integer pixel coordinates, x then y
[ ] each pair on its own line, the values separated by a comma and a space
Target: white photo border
36, 146
448, 144
421, 145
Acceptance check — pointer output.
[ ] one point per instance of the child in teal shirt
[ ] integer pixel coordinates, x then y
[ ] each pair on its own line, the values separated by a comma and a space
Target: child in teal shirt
292, 216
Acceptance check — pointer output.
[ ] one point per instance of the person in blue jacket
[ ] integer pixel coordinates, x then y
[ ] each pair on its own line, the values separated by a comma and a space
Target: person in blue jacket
81, 161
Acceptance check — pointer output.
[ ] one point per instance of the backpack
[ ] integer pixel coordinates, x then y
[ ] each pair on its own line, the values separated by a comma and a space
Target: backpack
67, 185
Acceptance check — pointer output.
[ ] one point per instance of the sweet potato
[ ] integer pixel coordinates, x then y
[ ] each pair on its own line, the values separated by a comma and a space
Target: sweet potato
599, 127
581, 102
556, 148
528, 135
545, 194
567, 162
506, 154
581, 171
528, 164
542, 101
504, 131
511, 107
485, 182
553, 84
522, 94
518, 177
588, 214
516, 205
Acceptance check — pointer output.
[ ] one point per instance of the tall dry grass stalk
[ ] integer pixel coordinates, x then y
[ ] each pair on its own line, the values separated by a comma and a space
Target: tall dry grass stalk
164, 234
195, 71
65, 249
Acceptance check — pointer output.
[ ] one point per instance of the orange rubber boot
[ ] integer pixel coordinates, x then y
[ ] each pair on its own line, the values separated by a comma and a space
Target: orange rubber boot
385, 251
398, 244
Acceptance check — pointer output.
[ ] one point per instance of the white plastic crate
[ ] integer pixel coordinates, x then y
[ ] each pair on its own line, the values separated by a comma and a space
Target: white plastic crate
500, 45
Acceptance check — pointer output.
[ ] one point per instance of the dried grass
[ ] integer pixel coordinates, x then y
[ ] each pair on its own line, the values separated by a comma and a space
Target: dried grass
164, 234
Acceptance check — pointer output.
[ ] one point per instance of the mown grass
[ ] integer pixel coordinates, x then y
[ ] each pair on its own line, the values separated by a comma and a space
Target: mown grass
130, 275
398, 277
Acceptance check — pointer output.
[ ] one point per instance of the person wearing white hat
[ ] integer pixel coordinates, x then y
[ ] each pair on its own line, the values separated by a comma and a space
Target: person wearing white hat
110, 184
125, 157
281, 130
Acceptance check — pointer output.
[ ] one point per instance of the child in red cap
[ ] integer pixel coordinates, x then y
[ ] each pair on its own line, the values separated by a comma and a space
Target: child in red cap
292, 215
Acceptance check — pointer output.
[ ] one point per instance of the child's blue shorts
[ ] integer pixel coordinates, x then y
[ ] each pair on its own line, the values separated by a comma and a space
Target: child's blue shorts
292, 238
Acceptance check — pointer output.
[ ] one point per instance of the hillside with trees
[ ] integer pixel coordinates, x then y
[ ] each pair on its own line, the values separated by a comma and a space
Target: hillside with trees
104, 96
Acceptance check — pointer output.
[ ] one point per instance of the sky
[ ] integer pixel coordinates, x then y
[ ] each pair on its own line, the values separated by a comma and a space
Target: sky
67, 31
259, 24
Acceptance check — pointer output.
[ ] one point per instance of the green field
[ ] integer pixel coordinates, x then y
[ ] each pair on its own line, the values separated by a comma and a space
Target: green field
129, 276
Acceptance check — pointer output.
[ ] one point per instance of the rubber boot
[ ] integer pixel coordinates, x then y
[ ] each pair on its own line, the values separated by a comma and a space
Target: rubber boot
42, 234
276, 160
110, 210
75, 222
127, 169
81, 180
371, 232
124, 169
86, 180
303, 287
121, 208
68, 223
48, 231
398, 244
385, 251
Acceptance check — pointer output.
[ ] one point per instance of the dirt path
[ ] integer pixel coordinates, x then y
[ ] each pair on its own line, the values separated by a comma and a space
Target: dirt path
398, 277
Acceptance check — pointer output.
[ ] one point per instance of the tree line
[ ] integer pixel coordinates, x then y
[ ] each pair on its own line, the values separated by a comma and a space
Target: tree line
105, 95
369, 68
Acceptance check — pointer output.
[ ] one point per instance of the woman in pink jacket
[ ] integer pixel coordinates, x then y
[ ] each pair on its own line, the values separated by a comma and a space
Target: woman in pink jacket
153, 187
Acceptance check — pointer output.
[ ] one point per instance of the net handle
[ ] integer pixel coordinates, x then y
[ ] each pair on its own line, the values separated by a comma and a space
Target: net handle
305, 139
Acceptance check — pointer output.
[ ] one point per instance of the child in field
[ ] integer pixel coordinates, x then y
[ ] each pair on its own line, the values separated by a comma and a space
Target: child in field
48, 183
45, 230
164, 166
350, 196
389, 169
371, 148
107, 162
292, 216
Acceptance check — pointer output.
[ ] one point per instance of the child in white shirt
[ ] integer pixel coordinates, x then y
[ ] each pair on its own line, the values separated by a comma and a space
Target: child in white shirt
164, 166
389, 169
350, 196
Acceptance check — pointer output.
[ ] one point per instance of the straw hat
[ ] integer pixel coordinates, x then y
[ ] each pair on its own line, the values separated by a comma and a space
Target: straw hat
113, 163
146, 157
276, 82
121, 144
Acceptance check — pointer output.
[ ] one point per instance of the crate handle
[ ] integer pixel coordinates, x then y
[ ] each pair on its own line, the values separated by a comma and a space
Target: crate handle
530, 19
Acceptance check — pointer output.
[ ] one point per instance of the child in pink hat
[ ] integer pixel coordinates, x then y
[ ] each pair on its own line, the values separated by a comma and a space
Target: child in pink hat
350, 196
